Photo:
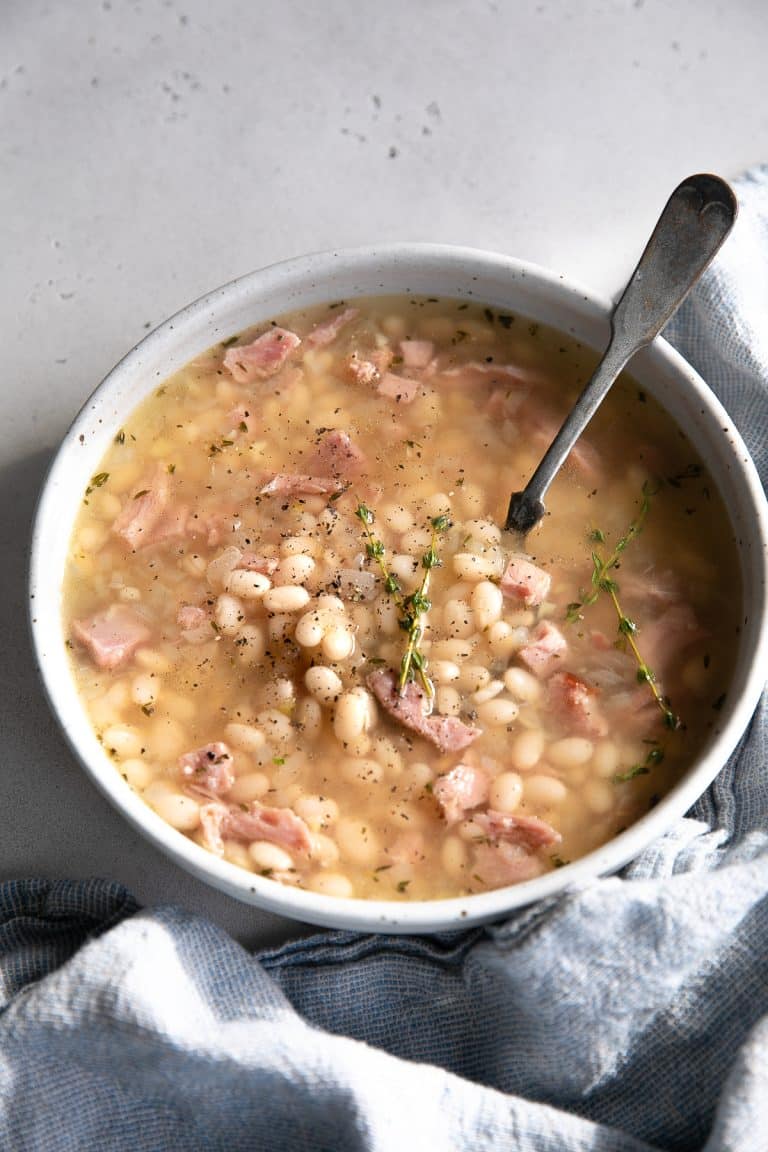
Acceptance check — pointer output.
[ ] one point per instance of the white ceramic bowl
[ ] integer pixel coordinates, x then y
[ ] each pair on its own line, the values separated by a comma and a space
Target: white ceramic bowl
421, 269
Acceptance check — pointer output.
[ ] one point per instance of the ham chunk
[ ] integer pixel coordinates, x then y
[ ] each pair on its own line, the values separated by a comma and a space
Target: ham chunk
140, 521
368, 370
327, 331
208, 769
500, 864
278, 825
253, 821
525, 582
337, 455
573, 702
524, 831
263, 357
447, 733
399, 388
416, 353
460, 790
544, 650
292, 484
253, 562
508, 855
111, 637
191, 616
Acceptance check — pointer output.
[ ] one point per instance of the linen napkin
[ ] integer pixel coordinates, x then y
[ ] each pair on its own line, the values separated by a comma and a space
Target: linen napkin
629, 1016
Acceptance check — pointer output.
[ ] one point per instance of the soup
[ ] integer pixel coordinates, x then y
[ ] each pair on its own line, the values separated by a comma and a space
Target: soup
302, 637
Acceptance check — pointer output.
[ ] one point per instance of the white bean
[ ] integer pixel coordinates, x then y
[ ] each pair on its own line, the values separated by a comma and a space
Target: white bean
299, 546
174, 807
351, 715
357, 841
473, 677
487, 604
453, 855
318, 812
599, 796
268, 857
541, 791
447, 700
331, 884
570, 752
323, 683
228, 614
473, 567
308, 718
145, 690
522, 685
138, 773
458, 619
250, 644
122, 740
251, 786
310, 629
497, 713
338, 643
396, 517
248, 585
443, 671
606, 759
485, 531
361, 770
294, 570
245, 736
506, 792
286, 598
276, 727
492, 689
526, 749
324, 850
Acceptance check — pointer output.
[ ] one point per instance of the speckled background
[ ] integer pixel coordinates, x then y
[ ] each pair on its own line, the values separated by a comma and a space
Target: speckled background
152, 150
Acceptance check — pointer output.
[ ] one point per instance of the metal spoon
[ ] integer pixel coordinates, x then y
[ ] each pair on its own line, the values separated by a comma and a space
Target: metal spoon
696, 220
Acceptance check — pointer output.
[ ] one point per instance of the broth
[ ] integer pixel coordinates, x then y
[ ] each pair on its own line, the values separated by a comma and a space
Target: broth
298, 511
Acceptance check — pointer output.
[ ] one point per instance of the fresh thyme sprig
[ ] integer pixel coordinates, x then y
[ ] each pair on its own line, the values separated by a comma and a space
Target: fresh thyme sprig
602, 581
413, 607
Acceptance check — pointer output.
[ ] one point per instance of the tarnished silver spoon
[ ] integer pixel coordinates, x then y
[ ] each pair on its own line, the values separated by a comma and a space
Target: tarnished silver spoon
696, 220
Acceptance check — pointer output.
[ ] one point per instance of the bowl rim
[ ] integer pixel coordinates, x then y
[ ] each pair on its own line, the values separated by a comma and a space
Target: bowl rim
301, 904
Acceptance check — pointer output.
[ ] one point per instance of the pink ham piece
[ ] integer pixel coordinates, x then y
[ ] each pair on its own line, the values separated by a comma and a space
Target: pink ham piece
509, 855
544, 650
525, 582
369, 370
416, 353
399, 388
477, 372
338, 455
252, 562
251, 822
524, 831
460, 790
146, 516
111, 637
208, 769
447, 733
292, 484
573, 702
326, 332
191, 616
500, 864
263, 357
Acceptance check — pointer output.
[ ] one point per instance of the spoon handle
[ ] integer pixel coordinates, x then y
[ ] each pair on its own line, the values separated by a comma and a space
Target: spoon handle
696, 220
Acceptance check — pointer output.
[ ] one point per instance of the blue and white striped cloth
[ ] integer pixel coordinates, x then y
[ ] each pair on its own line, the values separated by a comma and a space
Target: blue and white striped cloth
628, 1017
